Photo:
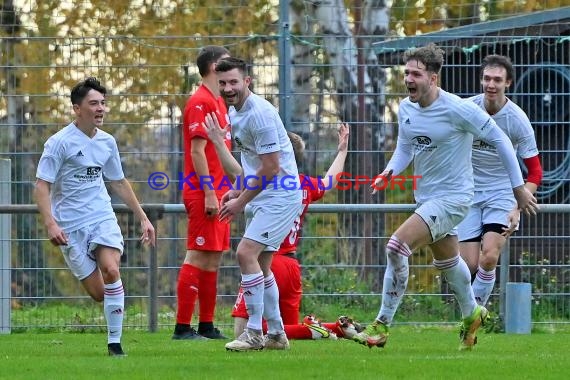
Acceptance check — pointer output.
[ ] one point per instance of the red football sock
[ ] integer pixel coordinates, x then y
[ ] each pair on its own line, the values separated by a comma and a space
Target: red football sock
207, 293
187, 292
298, 332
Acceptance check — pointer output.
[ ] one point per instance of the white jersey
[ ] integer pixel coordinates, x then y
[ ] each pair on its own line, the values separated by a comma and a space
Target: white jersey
488, 172
439, 139
75, 165
258, 129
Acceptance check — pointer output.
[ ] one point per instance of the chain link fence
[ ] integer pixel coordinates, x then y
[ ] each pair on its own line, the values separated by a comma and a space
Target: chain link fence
149, 76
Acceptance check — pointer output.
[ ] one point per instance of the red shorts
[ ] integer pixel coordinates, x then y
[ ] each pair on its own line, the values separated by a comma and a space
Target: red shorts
287, 272
205, 233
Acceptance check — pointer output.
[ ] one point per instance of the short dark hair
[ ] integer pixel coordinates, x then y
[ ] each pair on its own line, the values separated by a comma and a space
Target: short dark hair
495, 60
230, 63
80, 90
207, 55
430, 55
298, 146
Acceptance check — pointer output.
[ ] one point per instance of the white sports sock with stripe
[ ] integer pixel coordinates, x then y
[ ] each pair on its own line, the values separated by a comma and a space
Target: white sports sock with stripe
114, 308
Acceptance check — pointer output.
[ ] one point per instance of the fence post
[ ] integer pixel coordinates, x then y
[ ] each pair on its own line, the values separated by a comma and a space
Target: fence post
285, 64
505, 261
153, 277
5, 248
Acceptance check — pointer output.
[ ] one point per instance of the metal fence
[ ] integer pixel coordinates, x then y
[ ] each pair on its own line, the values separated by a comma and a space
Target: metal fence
149, 78
331, 275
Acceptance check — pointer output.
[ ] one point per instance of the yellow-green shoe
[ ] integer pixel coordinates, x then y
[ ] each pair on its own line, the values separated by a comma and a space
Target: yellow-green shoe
469, 327
375, 334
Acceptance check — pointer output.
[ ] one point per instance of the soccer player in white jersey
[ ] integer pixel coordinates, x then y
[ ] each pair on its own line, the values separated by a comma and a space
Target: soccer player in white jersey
494, 214
436, 131
76, 207
270, 195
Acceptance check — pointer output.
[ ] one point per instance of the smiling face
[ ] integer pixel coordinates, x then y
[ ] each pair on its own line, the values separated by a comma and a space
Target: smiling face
234, 87
90, 112
421, 83
494, 82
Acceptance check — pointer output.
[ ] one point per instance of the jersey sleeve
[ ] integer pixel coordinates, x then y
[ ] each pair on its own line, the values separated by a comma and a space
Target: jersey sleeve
403, 154
266, 135
473, 119
50, 161
194, 115
113, 170
524, 137
478, 122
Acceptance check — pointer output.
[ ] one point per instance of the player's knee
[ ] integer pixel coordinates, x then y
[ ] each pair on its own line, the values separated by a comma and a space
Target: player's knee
489, 258
110, 273
396, 247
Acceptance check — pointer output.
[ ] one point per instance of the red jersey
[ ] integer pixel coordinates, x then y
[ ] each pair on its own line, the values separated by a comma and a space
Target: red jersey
313, 190
197, 107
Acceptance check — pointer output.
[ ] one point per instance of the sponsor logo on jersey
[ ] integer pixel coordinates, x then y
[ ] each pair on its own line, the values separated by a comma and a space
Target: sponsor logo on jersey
486, 125
482, 145
268, 146
93, 170
193, 126
92, 173
422, 140
79, 154
423, 144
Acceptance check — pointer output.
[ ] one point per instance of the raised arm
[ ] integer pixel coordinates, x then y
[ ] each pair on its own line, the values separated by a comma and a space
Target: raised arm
337, 165
232, 168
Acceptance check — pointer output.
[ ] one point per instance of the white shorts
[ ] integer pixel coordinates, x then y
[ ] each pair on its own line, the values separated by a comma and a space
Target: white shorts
489, 207
443, 215
269, 224
78, 253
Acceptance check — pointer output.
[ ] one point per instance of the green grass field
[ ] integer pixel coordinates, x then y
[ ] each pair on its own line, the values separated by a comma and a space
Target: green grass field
411, 353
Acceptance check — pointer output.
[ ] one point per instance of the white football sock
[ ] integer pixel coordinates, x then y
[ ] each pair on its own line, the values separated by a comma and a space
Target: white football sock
395, 279
458, 276
271, 306
483, 285
113, 307
253, 289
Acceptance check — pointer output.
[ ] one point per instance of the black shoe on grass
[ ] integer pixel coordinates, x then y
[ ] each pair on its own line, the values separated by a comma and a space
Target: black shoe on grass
212, 333
190, 334
115, 349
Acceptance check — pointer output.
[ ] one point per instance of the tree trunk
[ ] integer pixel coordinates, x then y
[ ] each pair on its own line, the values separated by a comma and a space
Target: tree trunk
302, 70
359, 104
